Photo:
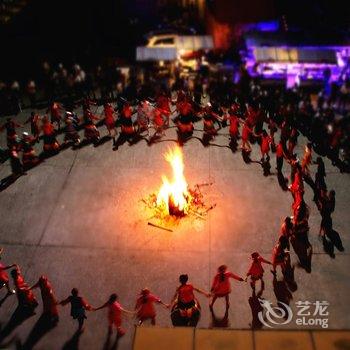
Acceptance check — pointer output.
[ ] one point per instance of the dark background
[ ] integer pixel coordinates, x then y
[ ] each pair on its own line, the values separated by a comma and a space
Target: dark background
87, 31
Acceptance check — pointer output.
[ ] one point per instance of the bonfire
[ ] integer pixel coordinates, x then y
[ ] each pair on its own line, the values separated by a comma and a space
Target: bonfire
175, 199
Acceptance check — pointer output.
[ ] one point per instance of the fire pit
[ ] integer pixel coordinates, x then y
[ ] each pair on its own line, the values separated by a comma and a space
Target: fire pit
175, 200
173, 197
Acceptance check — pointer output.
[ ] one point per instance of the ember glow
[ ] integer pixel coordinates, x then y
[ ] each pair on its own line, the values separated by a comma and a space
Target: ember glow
174, 197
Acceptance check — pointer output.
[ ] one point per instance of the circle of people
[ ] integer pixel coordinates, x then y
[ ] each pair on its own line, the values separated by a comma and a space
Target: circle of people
245, 122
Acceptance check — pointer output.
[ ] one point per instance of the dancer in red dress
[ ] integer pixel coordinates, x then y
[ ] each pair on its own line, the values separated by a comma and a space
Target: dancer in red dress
246, 132
25, 296
280, 255
185, 119
163, 103
184, 294
234, 125
221, 287
145, 306
55, 112
115, 311
280, 155
4, 278
50, 142
109, 121
158, 121
265, 146
49, 300
185, 308
256, 271
127, 128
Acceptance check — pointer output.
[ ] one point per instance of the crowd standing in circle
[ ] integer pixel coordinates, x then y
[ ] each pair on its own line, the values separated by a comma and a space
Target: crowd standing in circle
144, 109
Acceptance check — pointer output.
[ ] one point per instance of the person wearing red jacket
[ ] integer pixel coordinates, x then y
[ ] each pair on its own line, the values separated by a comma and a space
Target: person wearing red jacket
256, 270
221, 287
144, 306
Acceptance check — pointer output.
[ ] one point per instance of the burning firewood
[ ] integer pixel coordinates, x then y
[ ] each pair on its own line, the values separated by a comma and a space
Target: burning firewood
175, 199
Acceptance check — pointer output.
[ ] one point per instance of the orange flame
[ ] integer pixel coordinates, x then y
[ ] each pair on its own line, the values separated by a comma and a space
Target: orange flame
174, 195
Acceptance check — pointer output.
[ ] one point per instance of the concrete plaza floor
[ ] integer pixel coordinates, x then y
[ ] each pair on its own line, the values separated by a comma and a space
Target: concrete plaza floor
78, 218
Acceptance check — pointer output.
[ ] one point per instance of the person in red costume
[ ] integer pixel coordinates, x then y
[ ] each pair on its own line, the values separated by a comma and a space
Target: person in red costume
144, 306
280, 255
256, 270
109, 121
265, 145
50, 141
184, 295
163, 103
221, 287
25, 296
280, 155
158, 121
4, 278
48, 297
115, 311
55, 112
126, 123
297, 186
234, 123
185, 119
246, 132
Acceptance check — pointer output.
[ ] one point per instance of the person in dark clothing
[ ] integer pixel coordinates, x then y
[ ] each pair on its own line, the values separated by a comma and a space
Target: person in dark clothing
78, 307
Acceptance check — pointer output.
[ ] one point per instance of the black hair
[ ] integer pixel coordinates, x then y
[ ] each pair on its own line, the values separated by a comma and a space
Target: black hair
113, 297
183, 279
